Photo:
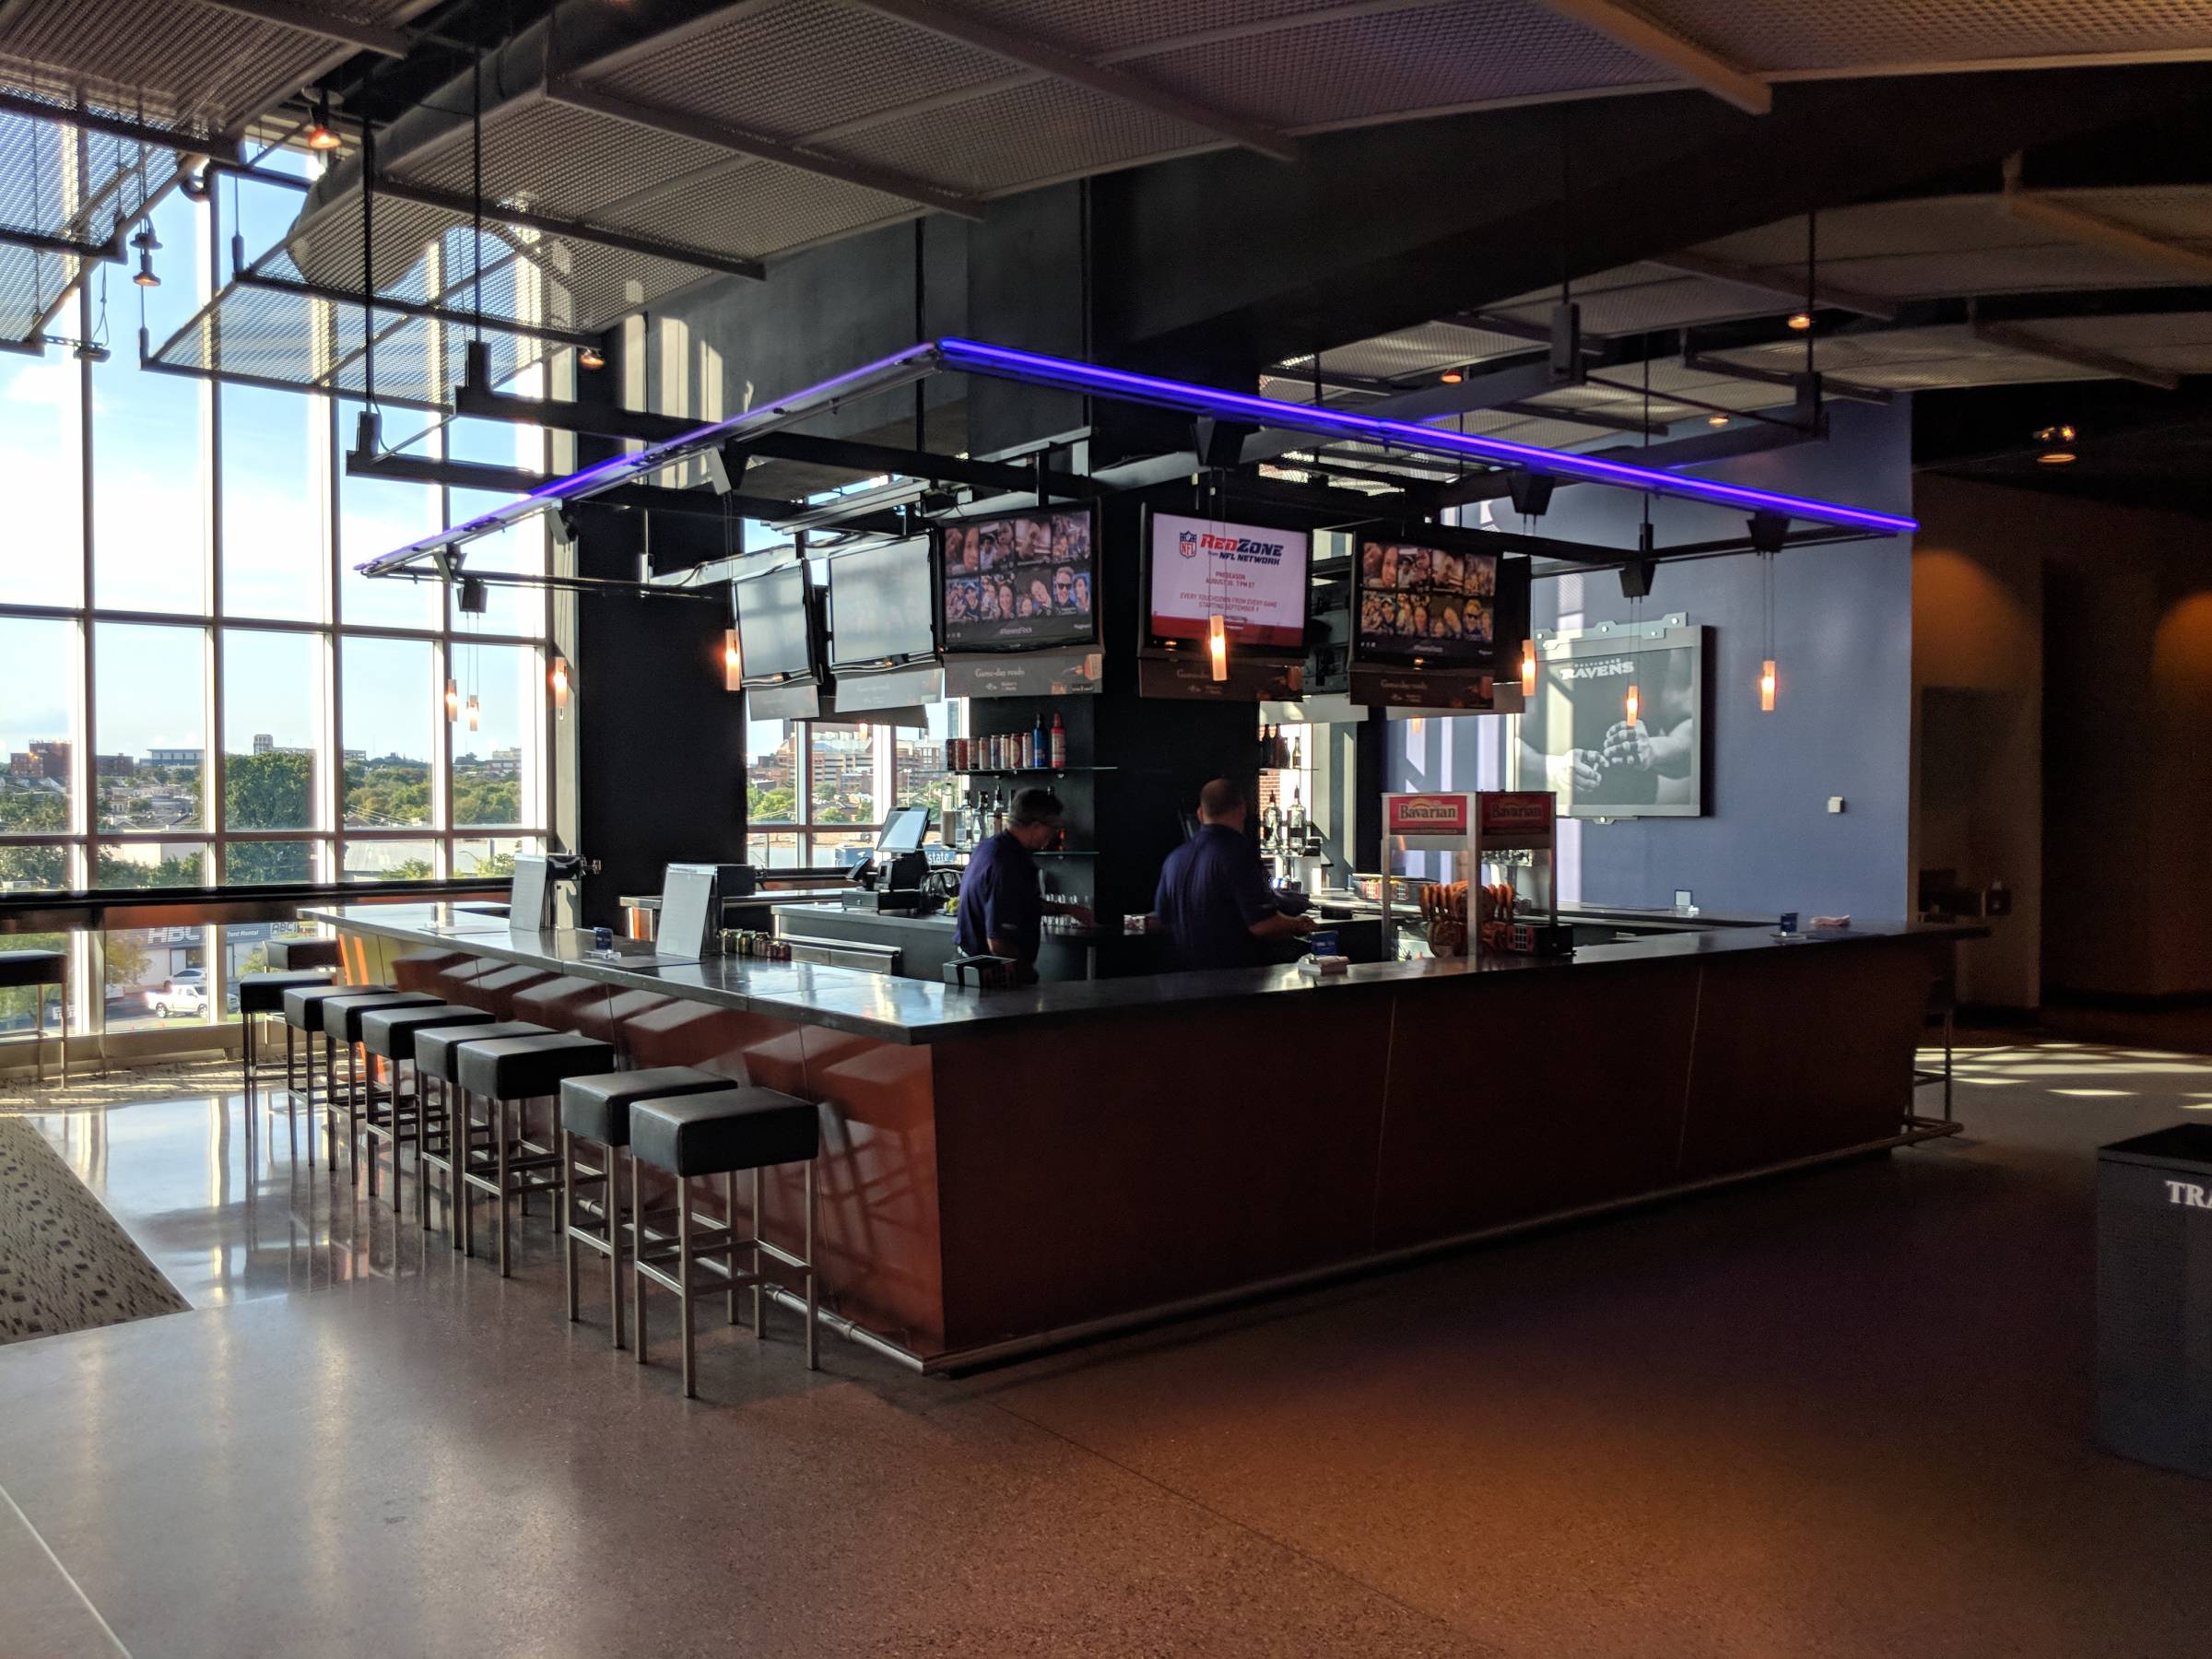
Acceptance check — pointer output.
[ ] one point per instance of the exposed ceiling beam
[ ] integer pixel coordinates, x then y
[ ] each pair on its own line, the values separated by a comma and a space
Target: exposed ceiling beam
120, 126
1646, 38
413, 307
323, 24
1693, 263
702, 129
68, 247
2081, 357
629, 241
1062, 64
2094, 230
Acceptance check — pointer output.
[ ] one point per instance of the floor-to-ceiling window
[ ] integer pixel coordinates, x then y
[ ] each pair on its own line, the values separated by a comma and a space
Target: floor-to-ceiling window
196, 688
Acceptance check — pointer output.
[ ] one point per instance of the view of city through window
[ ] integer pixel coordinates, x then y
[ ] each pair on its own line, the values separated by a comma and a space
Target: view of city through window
195, 687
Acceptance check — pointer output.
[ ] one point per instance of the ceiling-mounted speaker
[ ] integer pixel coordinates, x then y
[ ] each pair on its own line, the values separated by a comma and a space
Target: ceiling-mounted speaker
1219, 443
726, 466
1769, 531
1567, 344
1531, 493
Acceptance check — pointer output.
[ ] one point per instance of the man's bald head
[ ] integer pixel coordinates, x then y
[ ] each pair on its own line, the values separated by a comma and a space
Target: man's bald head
1223, 802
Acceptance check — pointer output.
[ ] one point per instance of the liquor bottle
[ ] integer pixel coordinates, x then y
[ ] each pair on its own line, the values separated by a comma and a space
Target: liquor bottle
1268, 748
1041, 747
1059, 742
1298, 755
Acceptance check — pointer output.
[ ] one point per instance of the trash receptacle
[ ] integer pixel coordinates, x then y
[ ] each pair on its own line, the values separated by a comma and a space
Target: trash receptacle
2154, 1297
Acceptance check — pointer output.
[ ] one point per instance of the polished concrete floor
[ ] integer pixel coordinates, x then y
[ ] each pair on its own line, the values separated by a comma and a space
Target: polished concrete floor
1842, 1414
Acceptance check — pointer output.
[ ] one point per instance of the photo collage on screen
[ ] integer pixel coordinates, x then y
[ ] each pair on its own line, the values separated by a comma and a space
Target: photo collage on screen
1026, 576
1418, 601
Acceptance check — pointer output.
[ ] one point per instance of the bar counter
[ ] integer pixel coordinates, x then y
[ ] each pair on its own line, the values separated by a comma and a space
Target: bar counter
1005, 1170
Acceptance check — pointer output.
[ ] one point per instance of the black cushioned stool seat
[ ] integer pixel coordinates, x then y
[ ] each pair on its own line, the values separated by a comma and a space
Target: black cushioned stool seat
263, 992
303, 1004
719, 1132
596, 1107
714, 1133
390, 1030
506, 1071
342, 1016
438, 1048
36, 969
284, 954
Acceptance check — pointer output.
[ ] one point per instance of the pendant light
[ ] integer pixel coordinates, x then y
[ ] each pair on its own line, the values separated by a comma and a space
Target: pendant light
475, 711
1632, 705
145, 243
733, 660
562, 682
1769, 682
322, 136
452, 700
1217, 623
1528, 668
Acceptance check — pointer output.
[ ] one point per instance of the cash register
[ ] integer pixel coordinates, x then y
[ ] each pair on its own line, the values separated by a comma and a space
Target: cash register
893, 873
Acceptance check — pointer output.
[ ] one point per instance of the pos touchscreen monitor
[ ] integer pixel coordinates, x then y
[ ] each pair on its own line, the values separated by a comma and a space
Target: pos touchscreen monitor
1021, 581
774, 626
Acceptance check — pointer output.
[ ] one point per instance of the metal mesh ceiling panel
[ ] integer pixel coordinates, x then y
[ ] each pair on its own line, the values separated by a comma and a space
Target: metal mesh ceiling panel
760, 207
774, 82
29, 282
1023, 136
1841, 34
1632, 299
172, 61
1421, 353
1127, 27
2180, 342
1361, 67
1913, 360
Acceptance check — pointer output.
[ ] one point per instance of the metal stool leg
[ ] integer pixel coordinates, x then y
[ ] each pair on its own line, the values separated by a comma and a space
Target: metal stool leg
636, 1280
683, 1278
729, 1214
499, 1134
811, 1361
568, 1215
614, 1238
759, 1295
37, 1042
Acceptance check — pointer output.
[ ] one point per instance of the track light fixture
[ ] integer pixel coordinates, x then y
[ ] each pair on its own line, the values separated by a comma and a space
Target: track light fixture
1801, 320
2058, 445
591, 357
322, 136
1452, 377
1716, 420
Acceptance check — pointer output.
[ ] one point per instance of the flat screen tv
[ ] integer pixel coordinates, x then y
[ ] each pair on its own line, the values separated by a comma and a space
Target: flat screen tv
1021, 581
1423, 599
773, 630
1576, 738
879, 607
1256, 576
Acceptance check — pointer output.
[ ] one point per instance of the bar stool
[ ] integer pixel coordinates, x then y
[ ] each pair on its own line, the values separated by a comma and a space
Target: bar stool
390, 1032
259, 995
597, 1108
287, 956
718, 1133
508, 1071
342, 1024
37, 970
304, 1012
438, 1060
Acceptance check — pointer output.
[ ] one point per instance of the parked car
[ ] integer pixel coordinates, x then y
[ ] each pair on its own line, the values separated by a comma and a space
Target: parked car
181, 996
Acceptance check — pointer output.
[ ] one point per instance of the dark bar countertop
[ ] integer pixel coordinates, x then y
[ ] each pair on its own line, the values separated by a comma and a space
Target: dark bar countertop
919, 1011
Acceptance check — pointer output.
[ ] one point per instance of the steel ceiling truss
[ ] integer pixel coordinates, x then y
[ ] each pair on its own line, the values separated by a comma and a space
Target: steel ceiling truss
1202, 403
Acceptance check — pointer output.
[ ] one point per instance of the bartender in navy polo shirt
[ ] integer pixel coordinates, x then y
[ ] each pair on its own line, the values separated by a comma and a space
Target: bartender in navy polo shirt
1000, 904
1213, 901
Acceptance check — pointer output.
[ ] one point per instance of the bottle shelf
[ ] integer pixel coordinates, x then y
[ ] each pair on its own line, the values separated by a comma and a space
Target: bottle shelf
1025, 771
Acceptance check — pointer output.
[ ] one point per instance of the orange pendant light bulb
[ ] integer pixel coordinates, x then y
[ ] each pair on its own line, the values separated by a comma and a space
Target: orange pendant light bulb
1632, 705
453, 701
558, 679
733, 662
1767, 684
1217, 644
1528, 667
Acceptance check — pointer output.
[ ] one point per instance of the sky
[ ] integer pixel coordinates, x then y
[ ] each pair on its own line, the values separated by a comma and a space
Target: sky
151, 484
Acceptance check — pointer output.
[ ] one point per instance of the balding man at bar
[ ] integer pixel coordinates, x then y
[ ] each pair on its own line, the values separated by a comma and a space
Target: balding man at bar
1213, 901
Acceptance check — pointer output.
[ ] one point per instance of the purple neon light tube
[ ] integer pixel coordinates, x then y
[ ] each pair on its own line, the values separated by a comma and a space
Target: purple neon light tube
1003, 363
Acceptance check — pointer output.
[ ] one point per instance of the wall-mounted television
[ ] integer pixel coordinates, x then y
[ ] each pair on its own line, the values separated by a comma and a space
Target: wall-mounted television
1020, 580
1256, 576
1423, 599
880, 606
1577, 740
774, 631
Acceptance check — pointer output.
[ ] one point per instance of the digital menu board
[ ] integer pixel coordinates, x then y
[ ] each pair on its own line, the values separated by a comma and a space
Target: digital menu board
774, 632
1254, 576
1021, 581
1420, 605
879, 606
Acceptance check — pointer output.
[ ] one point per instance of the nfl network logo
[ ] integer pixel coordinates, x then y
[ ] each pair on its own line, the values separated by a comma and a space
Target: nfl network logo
1186, 542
